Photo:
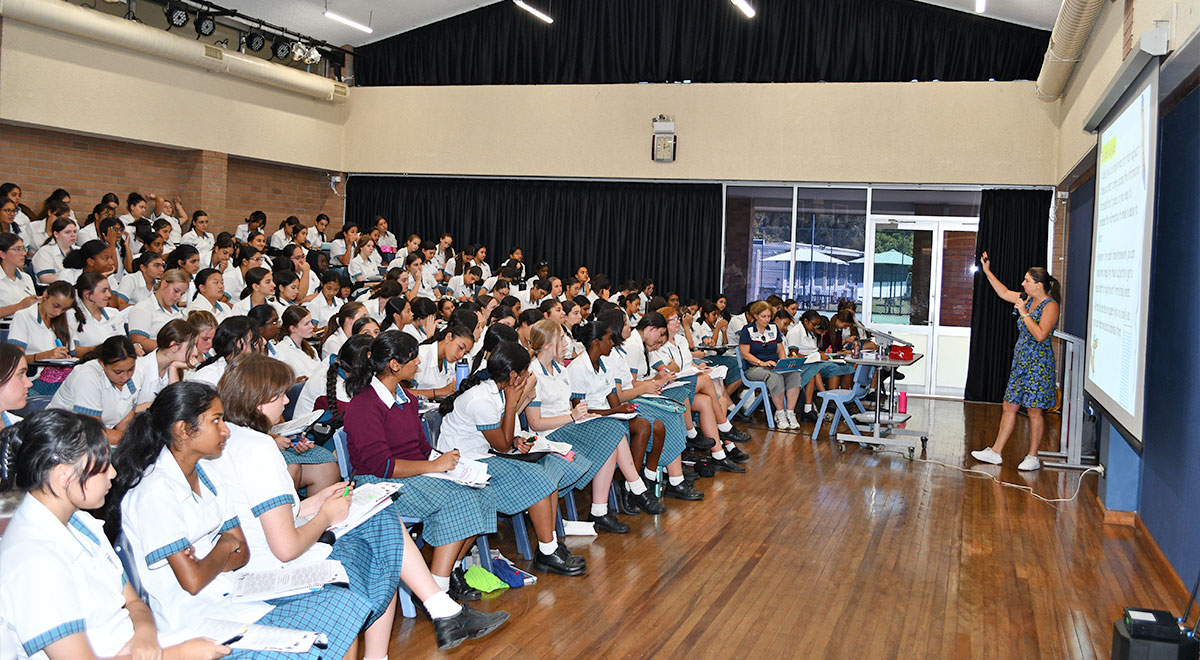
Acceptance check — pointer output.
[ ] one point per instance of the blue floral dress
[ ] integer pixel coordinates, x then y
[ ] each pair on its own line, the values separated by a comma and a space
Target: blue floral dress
1031, 381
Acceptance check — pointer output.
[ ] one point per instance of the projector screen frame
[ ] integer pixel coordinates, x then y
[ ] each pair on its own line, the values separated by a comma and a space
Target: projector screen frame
1130, 425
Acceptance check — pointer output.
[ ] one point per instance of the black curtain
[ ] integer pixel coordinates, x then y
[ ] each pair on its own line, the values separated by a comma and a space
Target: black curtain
1013, 230
631, 41
670, 233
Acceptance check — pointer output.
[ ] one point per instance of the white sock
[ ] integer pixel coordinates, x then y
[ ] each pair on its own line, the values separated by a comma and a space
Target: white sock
719, 455
691, 433
675, 481
727, 426
383, 658
443, 583
600, 509
441, 605
808, 407
730, 446
652, 475
547, 548
636, 487
554, 536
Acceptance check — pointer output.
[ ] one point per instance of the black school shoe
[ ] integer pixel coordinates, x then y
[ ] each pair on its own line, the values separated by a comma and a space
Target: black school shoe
648, 501
470, 623
727, 465
737, 455
734, 435
682, 492
700, 442
609, 523
559, 562
459, 589
625, 503
704, 467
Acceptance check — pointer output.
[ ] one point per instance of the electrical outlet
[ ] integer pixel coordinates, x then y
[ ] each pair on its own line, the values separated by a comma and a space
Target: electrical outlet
335, 179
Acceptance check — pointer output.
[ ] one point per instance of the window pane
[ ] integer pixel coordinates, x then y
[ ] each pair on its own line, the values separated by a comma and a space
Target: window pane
958, 278
903, 261
963, 203
830, 234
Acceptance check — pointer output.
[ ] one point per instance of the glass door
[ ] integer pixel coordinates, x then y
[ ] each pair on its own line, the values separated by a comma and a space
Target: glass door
919, 287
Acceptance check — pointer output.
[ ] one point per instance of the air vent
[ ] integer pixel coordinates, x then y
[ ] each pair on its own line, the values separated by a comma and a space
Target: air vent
214, 53
340, 89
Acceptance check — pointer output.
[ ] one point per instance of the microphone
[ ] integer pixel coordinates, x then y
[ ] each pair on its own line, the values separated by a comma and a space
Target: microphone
1024, 297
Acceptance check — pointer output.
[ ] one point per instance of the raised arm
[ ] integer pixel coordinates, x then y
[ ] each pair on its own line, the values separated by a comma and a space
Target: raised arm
1001, 290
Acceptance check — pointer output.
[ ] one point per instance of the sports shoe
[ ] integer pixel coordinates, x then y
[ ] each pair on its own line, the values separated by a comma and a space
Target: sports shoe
793, 423
989, 456
781, 420
1030, 463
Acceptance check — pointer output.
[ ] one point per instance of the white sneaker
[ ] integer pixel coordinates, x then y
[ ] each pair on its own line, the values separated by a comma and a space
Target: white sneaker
989, 456
1030, 463
781, 421
792, 421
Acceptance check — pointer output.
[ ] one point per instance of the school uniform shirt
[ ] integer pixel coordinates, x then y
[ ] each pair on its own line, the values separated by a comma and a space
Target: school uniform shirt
590, 384
763, 345
235, 281
316, 238
88, 390
645, 299
383, 426
416, 331
322, 311
163, 516
218, 309
242, 233
255, 477
28, 332
553, 391
291, 354
147, 383
210, 373
636, 359
479, 409
133, 289
701, 332
278, 240
459, 289
434, 372
57, 580
37, 236
96, 330
22, 223
362, 269
429, 281
333, 344
388, 239
243, 306
314, 282
149, 316
15, 289
672, 351
48, 260
798, 339
176, 229
204, 243
338, 247
375, 307
88, 233
617, 364
316, 387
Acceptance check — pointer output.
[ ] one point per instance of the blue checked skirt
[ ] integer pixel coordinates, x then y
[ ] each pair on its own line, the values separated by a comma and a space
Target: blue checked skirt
448, 511
594, 440
809, 371
372, 554
313, 456
518, 485
730, 362
682, 393
337, 612
566, 474
833, 369
675, 440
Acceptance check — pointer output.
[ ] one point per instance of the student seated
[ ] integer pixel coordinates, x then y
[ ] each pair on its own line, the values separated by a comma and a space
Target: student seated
16, 286
258, 290
439, 355
103, 387
93, 320
326, 303
762, 347
139, 285
149, 316
293, 347
175, 355
63, 593
341, 327
43, 331
48, 262
802, 342
210, 294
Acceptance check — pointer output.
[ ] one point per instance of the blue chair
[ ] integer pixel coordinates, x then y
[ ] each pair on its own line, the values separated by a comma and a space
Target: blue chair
862, 385
125, 554
293, 396
756, 391
33, 404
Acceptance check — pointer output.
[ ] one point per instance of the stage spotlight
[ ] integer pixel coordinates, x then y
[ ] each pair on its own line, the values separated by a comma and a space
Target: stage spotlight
313, 56
299, 52
205, 24
281, 47
255, 40
177, 15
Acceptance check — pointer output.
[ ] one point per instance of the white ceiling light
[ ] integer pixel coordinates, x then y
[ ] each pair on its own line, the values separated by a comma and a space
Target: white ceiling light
535, 12
346, 21
745, 7
980, 6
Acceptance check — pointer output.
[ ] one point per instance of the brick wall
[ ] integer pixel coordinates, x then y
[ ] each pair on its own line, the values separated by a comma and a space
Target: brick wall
958, 281
228, 188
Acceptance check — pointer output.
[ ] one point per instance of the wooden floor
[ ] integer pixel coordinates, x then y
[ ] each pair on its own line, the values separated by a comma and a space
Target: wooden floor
812, 554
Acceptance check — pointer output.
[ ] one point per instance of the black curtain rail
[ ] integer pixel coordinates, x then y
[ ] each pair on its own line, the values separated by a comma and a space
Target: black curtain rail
251, 23
631, 41
670, 233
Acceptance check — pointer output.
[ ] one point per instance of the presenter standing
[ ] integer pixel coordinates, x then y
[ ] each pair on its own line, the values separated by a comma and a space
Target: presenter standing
1031, 381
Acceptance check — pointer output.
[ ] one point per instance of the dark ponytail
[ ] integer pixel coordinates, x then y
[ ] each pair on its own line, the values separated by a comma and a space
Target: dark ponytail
504, 360
616, 321
1049, 283
29, 450
350, 358
60, 324
394, 307
231, 339
388, 346
84, 284
495, 335
150, 431
588, 333
77, 259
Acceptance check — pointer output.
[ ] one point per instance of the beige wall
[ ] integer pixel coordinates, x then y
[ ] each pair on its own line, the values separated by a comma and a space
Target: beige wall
982, 133
59, 81
1101, 59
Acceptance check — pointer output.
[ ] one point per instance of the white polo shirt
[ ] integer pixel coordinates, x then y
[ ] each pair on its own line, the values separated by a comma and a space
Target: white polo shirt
88, 390
338, 247
255, 477
316, 387
553, 392
362, 269
146, 381
477, 410
28, 331
634, 352
162, 516
315, 238
416, 331
95, 331
434, 372
670, 352
218, 309
590, 384
799, 339
149, 316
322, 311
204, 244
333, 344
15, 289
210, 373
291, 354
48, 260
279, 239
234, 282
57, 580
617, 363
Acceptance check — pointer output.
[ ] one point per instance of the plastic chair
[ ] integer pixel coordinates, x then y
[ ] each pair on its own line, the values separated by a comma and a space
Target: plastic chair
33, 404
293, 396
862, 385
125, 554
756, 392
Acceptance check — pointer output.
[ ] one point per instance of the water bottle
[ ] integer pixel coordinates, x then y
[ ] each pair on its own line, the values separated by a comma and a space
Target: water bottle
461, 371
902, 403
